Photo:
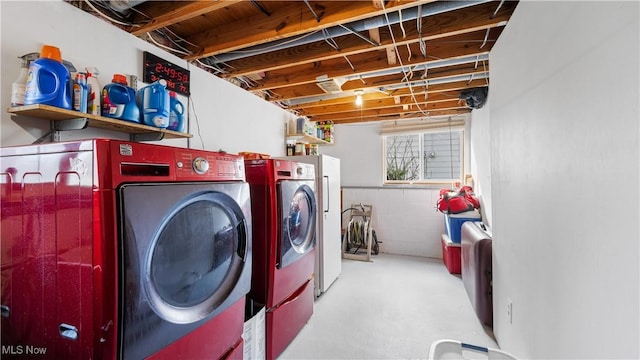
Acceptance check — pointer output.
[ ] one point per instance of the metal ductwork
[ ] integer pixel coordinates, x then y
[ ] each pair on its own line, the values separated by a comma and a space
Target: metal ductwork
421, 67
123, 6
430, 9
384, 89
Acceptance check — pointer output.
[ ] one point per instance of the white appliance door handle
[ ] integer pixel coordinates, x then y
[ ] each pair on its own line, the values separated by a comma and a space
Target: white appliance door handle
325, 193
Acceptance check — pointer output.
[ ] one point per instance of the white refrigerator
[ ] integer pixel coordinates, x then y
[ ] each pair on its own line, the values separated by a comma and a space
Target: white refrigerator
328, 240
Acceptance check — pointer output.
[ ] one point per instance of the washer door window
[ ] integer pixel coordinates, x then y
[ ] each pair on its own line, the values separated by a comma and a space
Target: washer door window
298, 215
185, 259
196, 258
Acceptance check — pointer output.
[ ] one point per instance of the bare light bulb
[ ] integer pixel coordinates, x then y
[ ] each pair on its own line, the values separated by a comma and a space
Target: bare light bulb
358, 97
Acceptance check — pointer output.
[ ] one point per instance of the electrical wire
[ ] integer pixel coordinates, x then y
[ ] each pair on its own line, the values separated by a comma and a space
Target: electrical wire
486, 36
180, 38
349, 62
267, 48
214, 68
451, 149
329, 40
195, 114
173, 41
404, 33
497, 9
166, 47
108, 17
484, 66
395, 46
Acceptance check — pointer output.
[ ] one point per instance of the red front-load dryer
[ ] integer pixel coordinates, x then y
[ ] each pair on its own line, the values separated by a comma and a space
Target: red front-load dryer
284, 210
120, 250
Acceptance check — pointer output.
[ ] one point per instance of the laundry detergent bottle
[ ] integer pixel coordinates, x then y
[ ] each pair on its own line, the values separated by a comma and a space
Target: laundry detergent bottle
176, 113
48, 81
154, 104
119, 100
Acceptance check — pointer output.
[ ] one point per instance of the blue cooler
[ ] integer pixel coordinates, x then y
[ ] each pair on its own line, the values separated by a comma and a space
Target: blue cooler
453, 223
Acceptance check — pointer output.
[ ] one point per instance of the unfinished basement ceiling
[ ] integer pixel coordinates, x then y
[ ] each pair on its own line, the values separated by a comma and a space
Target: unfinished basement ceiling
408, 59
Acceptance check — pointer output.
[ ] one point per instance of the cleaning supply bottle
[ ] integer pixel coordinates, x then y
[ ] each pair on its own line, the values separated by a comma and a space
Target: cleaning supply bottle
154, 104
176, 113
80, 93
48, 80
18, 86
119, 100
93, 91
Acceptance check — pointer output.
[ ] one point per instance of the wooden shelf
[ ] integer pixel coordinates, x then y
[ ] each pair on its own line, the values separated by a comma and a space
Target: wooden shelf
53, 113
308, 139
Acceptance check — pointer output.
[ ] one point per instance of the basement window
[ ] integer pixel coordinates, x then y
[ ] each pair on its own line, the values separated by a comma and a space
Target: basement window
424, 157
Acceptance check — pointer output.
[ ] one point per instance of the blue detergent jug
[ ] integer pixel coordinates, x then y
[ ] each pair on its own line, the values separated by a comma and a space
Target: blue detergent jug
176, 113
48, 81
154, 104
119, 100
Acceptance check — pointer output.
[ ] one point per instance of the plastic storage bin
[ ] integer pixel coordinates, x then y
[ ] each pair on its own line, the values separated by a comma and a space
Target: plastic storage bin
451, 255
453, 223
453, 349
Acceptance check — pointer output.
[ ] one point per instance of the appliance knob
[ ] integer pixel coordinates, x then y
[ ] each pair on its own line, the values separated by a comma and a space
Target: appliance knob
200, 165
300, 171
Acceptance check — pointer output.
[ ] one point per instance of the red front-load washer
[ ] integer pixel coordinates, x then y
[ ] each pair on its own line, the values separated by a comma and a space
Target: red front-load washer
284, 210
120, 250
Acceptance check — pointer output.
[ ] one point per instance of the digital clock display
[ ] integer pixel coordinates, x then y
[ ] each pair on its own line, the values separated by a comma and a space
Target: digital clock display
155, 68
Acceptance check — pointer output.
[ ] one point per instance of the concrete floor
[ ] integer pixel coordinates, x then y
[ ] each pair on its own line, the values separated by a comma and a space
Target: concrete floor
391, 308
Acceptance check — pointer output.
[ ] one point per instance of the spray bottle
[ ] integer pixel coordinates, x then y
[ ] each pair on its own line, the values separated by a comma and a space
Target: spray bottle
18, 86
93, 91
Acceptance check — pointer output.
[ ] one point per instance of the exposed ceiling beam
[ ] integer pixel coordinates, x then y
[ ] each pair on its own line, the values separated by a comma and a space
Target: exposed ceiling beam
379, 103
183, 11
370, 84
291, 20
438, 26
450, 47
447, 87
422, 110
406, 116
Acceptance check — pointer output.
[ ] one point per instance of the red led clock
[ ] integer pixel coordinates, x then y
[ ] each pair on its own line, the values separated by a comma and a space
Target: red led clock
156, 68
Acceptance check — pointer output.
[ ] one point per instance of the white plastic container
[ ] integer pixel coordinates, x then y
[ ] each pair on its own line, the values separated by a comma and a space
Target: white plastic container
93, 91
452, 349
18, 86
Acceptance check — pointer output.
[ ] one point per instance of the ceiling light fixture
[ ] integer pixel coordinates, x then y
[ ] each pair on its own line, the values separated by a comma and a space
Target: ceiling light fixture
359, 97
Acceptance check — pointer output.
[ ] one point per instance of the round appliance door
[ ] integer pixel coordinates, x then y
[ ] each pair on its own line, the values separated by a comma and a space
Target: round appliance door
185, 258
196, 257
297, 204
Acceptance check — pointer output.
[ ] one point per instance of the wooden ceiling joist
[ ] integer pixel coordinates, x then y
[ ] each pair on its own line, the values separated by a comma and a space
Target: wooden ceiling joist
291, 20
439, 26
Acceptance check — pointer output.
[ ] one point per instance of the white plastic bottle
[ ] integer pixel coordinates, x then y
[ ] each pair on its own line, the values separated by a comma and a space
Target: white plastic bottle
18, 86
93, 91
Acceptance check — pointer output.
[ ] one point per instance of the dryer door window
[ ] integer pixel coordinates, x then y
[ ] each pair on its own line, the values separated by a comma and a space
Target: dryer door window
298, 209
195, 260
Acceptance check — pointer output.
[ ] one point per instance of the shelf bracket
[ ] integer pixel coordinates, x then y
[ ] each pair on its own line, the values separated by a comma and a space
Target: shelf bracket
147, 136
62, 125
67, 125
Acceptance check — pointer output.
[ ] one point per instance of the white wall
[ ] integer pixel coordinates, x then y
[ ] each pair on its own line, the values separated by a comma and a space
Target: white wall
405, 218
359, 148
229, 118
565, 168
480, 158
